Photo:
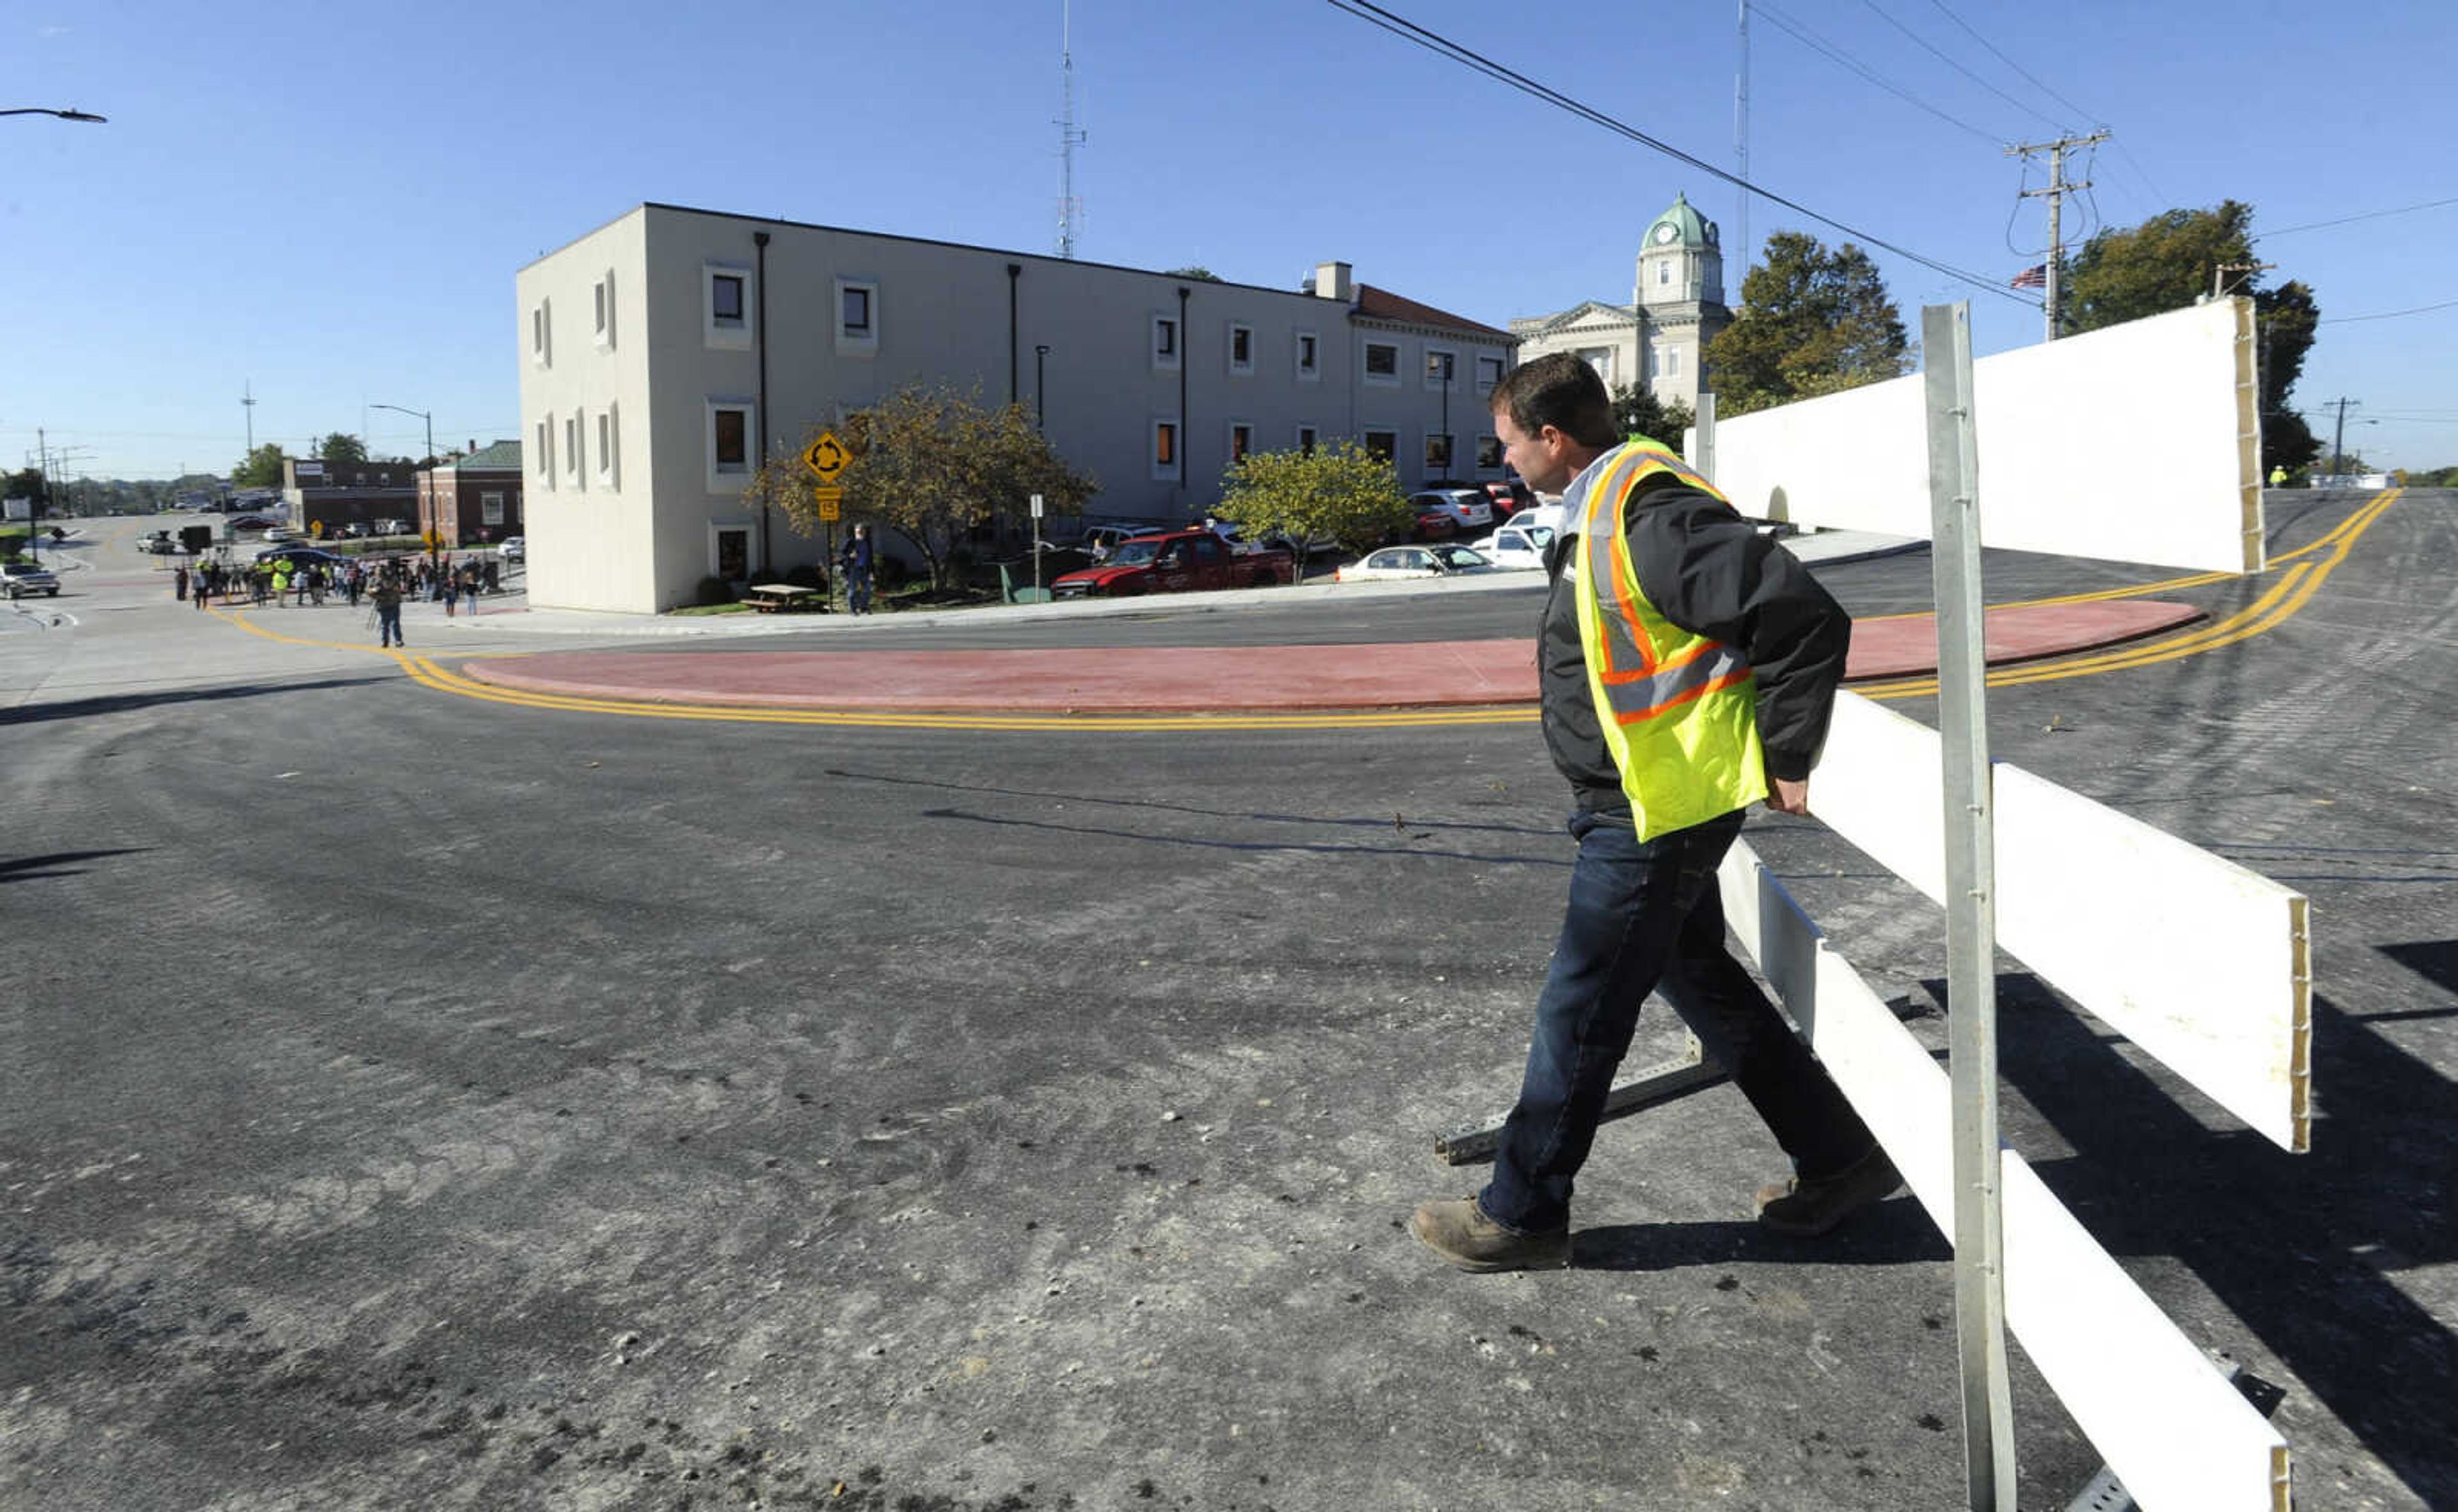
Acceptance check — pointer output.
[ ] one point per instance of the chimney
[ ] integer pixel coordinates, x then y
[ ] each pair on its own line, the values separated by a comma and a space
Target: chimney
473, 444
1331, 281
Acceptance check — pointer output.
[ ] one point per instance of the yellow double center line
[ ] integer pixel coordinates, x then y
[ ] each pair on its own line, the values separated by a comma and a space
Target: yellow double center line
2307, 567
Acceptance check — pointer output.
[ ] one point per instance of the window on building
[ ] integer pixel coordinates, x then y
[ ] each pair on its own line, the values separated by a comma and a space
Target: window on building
572, 448
1307, 365
1669, 364
1305, 440
857, 317
1164, 448
1383, 363
1165, 339
1489, 454
1601, 358
1664, 273
605, 309
726, 305
491, 508
542, 334
545, 450
1440, 367
1382, 444
1438, 454
1242, 349
729, 438
1489, 372
1242, 441
856, 311
607, 434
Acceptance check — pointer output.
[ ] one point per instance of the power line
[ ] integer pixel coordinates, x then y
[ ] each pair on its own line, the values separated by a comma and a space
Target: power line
1808, 39
2389, 315
2368, 214
2080, 113
1948, 60
1432, 42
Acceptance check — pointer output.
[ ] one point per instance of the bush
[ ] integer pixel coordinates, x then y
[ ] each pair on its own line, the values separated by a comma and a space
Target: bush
890, 571
807, 576
712, 591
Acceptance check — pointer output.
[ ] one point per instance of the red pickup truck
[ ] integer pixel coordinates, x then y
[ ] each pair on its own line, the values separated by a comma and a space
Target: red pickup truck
1182, 562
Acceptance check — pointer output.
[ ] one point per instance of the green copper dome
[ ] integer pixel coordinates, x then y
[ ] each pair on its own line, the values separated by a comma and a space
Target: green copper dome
1688, 227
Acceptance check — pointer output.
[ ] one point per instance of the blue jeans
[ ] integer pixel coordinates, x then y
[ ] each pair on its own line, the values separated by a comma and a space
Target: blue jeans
1645, 916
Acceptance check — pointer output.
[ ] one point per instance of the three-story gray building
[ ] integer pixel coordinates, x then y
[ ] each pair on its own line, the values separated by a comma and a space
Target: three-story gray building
664, 354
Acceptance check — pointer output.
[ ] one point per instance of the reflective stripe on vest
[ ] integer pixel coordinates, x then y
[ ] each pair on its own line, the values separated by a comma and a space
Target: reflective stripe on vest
1678, 710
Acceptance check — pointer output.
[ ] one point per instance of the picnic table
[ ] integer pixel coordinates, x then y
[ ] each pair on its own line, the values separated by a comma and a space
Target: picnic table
774, 598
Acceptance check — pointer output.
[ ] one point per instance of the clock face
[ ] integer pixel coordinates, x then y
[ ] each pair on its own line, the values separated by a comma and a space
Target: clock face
1663, 234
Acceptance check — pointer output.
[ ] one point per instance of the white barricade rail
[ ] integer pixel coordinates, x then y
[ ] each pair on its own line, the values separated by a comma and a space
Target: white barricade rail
2172, 1427
2195, 959
2185, 491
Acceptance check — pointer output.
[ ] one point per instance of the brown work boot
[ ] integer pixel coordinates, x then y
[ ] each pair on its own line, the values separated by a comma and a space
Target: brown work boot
1459, 1232
1808, 1209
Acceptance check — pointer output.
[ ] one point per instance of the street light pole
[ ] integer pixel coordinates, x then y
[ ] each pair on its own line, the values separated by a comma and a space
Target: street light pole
65, 115
434, 528
1040, 393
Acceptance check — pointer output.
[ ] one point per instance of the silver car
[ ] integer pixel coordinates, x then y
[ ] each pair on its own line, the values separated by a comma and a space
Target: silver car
20, 579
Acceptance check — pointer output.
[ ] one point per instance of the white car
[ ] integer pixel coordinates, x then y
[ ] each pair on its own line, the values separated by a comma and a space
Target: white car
1516, 547
515, 549
1469, 508
280, 533
1400, 563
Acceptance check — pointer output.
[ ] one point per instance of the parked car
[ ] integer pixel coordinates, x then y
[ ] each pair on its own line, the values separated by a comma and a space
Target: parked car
1469, 508
1400, 563
159, 544
250, 522
515, 549
1102, 539
1180, 562
21, 578
1516, 548
302, 555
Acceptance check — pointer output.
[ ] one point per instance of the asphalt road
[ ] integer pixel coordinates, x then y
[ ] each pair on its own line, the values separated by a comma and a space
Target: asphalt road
414, 1101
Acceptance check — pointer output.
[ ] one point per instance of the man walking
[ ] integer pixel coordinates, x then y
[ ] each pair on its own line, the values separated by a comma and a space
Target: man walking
856, 562
1688, 669
386, 597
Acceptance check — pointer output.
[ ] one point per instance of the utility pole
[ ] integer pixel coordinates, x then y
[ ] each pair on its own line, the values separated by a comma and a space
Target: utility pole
2056, 192
247, 408
2219, 274
2338, 435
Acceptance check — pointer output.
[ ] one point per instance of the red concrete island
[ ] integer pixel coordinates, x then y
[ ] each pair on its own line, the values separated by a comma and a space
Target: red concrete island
1228, 679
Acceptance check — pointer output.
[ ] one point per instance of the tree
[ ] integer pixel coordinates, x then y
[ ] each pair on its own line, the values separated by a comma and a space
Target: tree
932, 465
342, 446
26, 484
2178, 257
260, 468
1812, 323
1638, 412
1342, 492
1194, 271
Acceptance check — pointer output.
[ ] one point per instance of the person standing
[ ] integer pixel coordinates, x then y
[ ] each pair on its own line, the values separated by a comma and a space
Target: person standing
856, 562
386, 596
180, 582
1688, 668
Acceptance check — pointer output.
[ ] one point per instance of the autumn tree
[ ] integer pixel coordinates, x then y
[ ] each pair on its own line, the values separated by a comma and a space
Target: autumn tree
1341, 493
2180, 257
932, 465
1812, 323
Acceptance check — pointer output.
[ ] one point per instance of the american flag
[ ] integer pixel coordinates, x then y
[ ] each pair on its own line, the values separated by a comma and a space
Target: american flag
2034, 276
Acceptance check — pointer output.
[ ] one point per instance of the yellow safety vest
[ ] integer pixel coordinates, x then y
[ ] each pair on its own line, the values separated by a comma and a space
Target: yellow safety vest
1679, 710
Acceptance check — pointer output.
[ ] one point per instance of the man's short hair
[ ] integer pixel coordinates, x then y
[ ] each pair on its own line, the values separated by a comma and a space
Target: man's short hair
1562, 392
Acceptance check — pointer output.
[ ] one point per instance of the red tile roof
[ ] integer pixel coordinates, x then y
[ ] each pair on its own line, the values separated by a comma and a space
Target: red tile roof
1382, 304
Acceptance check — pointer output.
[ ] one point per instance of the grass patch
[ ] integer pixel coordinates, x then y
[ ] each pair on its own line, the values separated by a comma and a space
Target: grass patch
711, 608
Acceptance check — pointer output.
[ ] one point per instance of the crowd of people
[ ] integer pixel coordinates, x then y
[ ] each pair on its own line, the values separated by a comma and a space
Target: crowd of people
388, 582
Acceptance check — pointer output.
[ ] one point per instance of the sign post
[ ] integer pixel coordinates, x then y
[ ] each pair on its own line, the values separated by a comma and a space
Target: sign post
827, 458
1036, 543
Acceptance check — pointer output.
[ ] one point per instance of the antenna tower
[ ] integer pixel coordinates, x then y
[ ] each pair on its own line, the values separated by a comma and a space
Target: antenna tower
1071, 210
247, 406
1742, 148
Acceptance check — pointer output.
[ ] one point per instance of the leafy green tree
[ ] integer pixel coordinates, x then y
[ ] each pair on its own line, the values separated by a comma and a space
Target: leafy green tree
2180, 257
1638, 412
1341, 491
342, 446
932, 465
25, 484
260, 468
1812, 323
1194, 271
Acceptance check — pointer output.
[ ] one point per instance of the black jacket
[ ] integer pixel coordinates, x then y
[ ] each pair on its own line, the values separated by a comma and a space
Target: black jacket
1708, 570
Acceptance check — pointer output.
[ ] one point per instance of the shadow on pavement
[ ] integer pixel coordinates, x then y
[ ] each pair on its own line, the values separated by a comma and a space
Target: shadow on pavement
2300, 1249
120, 703
1189, 808
1897, 1232
35, 868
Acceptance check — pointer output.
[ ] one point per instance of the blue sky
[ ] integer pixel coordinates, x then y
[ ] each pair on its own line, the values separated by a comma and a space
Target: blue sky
326, 204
